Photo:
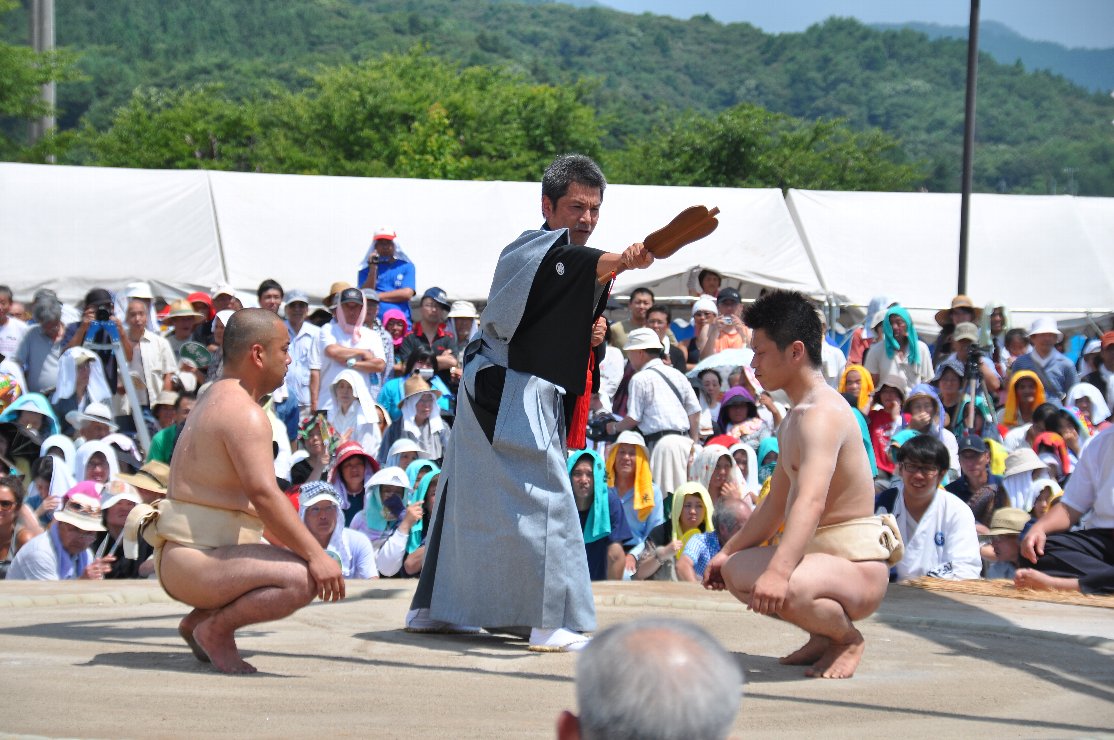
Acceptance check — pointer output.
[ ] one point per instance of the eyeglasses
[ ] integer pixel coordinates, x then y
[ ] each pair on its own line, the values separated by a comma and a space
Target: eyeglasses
83, 509
7, 505
927, 471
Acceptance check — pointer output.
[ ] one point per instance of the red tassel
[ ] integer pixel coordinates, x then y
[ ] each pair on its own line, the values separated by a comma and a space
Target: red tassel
578, 426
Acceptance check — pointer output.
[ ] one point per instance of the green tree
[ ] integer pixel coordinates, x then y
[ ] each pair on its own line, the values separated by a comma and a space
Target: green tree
748, 146
175, 129
22, 73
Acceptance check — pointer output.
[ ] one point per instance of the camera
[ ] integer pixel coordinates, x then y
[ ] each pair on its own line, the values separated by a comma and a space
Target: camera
597, 429
374, 259
102, 314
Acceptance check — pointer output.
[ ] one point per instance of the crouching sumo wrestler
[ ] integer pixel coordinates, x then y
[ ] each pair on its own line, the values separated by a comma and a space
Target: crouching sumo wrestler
831, 565
208, 532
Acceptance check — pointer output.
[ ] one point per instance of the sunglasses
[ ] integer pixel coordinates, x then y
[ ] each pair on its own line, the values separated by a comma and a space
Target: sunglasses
83, 509
7, 505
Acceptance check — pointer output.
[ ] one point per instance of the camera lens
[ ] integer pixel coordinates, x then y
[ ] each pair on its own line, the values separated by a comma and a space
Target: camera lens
102, 314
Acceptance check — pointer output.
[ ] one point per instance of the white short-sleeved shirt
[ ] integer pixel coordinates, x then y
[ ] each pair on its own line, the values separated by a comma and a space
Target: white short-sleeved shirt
305, 355
654, 405
877, 363
331, 333
1091, 486
11, 333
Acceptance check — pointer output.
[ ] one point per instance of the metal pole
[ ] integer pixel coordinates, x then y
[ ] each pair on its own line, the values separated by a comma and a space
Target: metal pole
968, 140
42, 40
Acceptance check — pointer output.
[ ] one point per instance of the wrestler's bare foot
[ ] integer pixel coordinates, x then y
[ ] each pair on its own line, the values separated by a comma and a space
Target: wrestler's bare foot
808, 653
188, 625
840, 659
221, 648
1030, 578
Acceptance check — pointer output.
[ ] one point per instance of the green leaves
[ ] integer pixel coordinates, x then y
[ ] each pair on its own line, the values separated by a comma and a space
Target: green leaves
748, 146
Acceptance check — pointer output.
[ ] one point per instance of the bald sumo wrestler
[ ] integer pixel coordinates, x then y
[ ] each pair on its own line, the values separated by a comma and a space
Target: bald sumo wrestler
222, 495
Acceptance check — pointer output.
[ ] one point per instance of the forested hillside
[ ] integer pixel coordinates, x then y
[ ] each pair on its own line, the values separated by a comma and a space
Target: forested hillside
639, 87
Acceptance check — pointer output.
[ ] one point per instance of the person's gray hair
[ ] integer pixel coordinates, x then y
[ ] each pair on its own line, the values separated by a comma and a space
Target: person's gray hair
570, 168
6, 292
727, 513
45, 306
656, 678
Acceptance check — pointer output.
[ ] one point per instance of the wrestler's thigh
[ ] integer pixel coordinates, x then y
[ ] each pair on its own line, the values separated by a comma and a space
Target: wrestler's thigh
209, 579
858, 587
743, 568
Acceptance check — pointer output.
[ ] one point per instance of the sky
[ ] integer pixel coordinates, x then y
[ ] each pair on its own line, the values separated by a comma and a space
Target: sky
1072, 23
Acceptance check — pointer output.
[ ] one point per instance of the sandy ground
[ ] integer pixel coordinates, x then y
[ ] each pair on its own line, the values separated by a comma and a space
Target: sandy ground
937, 665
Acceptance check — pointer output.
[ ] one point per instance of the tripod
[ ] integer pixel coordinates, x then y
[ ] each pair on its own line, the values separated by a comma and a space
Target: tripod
113, 335
973, 386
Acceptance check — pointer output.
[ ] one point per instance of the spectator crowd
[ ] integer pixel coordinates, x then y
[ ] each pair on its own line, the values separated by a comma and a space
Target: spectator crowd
988, 444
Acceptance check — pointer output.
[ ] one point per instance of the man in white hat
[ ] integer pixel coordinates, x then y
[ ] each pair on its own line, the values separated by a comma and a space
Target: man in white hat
62, 552
1056, 372
91, 424
662, 400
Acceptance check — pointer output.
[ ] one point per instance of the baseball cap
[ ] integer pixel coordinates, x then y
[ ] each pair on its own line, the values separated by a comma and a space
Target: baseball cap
315, 491
297, 296
390, 476
384, 233
370, 295
224, 316
642, 339
117, 490
966, 330
439, 295
1107, 339
728, 294
351, 295
223, 289
1008, 520
972, 442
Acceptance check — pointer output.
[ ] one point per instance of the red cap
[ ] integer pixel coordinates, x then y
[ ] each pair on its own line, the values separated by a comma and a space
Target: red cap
1107, 339
200, 297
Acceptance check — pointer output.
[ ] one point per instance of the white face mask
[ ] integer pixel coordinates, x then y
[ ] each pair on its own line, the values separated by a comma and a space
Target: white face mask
425, 373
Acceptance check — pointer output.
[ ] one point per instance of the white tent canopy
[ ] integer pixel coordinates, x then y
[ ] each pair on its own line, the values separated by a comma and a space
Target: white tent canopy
186, 231
72, 228
1033, 254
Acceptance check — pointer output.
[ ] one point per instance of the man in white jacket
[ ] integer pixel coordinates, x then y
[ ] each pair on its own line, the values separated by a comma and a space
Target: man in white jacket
937, 527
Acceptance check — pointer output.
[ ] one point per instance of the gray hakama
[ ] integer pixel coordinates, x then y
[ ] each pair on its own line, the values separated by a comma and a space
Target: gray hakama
506, 547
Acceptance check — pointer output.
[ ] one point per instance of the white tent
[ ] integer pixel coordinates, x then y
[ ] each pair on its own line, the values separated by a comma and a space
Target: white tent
72, 228
1034, 254
186, 231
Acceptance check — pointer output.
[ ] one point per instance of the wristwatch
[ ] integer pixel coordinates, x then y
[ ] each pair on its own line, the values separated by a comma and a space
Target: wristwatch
350, 362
